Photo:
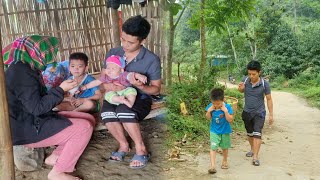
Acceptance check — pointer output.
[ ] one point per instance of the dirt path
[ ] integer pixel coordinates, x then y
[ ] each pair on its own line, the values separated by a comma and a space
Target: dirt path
290, 148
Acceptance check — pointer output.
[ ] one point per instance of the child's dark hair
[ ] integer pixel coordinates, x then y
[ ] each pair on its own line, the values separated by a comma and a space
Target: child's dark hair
217, 94
137, 26
254, 65
80, 56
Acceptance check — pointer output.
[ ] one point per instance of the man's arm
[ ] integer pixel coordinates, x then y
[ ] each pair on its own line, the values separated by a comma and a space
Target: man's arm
241, 87
270, 108
152, 89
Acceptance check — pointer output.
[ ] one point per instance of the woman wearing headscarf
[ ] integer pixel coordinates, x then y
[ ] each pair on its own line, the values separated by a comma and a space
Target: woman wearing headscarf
33, 123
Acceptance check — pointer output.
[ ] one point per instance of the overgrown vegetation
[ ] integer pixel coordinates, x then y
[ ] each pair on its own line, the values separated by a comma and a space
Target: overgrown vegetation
305, 85
196, 98
282, 35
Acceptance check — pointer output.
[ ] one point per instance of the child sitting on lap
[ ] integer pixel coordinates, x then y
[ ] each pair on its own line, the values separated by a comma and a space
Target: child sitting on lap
114, 73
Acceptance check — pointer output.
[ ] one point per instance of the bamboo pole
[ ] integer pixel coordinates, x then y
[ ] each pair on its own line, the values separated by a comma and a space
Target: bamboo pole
115, 27
6, 151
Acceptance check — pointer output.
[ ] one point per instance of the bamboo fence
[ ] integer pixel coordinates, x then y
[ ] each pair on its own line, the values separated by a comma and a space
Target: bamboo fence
81, 25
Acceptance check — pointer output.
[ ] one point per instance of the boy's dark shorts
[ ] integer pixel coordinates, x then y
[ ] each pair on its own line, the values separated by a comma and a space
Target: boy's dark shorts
254, 123
122, 113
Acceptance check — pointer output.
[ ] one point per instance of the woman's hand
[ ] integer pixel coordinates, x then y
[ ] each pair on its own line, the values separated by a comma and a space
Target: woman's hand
77, 102
68, 84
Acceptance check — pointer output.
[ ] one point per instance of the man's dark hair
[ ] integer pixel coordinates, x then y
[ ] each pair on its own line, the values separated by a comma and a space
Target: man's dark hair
80, 56
217, 94
254, 65
137, 26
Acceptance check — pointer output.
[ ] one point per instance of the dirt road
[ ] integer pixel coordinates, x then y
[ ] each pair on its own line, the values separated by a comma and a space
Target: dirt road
290, 149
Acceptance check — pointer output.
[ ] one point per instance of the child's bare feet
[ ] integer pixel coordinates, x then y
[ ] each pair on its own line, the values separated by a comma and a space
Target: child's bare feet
51, 160
122, 100
127, 102
54, 175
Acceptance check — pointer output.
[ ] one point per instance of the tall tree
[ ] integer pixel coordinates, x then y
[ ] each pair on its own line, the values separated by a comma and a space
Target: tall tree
174, 9
216, 14
202, 40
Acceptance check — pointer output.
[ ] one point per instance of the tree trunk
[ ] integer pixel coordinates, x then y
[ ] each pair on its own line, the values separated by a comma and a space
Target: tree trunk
172, 27
115, 28
202, 43
295, 16
233, 48
163, 48
170, 49
6, 151
179, 72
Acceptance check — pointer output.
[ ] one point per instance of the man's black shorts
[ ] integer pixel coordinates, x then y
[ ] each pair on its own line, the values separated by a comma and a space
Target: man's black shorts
122, 113
254, 123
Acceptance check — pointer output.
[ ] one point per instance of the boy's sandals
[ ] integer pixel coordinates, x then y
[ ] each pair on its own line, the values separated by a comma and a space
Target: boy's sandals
212, 171
249, 154
119, 156
224, 165
256, 162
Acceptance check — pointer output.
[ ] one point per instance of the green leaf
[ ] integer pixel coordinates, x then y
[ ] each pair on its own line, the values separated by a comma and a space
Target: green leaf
175, 8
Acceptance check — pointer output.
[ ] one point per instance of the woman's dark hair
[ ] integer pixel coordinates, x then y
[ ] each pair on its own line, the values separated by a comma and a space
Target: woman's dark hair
217, 94
79, 56
137, 26
254, 65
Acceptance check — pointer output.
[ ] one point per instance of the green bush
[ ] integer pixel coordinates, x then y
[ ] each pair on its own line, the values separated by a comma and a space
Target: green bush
312, 94
305, 79
278, 82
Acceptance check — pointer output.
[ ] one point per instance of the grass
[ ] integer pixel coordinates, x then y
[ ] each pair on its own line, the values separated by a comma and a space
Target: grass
305, 88
312, 95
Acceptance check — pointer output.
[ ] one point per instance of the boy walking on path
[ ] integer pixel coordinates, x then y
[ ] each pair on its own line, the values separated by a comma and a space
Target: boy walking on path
255, 89
221, 116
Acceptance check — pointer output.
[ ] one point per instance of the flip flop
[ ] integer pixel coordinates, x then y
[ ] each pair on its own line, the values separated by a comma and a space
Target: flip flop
224, 166
256, 162
249, 154
120, 155
212, 171
141, 158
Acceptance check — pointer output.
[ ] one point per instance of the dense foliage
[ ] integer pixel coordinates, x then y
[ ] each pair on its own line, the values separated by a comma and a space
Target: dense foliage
283, 35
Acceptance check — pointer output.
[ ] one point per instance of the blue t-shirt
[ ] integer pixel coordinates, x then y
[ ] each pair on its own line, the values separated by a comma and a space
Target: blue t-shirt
89, 92
219, 123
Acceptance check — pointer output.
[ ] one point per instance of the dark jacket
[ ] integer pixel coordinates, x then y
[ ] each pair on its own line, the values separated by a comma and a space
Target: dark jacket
30, 106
